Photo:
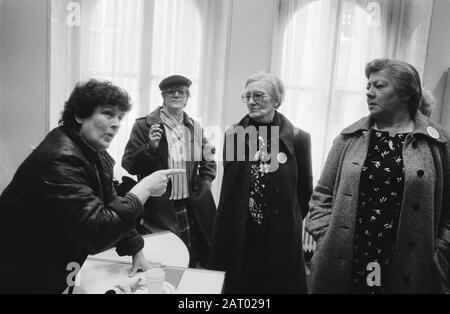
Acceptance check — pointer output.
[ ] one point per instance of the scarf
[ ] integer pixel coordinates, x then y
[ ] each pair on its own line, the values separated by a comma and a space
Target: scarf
176, 139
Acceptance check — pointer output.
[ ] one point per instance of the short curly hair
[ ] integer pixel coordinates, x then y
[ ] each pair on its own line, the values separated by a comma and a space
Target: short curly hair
87, 96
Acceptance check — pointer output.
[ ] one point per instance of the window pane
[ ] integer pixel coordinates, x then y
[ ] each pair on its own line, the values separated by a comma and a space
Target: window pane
176, 48
326, 45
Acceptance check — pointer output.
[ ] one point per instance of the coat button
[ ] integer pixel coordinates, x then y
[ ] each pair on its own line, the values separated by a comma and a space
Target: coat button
414, 144
278, 231
416, 207
277, 211
420, 173
277, 190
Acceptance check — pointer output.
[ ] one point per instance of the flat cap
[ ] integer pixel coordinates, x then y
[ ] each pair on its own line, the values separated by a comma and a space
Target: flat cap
174, 80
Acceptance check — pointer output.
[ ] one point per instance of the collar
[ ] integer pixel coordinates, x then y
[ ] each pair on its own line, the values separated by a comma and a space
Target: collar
155, 118
423, 126
286, 129
91, 154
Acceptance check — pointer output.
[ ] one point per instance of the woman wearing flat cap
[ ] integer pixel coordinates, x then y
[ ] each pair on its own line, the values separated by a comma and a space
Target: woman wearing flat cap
266, 187
380, 213
165, 139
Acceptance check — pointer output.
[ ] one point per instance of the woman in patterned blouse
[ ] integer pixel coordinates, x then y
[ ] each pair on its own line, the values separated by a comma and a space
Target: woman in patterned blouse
380, 213
266, 187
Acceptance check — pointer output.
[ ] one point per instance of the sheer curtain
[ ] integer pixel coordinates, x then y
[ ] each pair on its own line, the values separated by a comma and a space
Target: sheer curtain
135, 44
322, 48
320, 51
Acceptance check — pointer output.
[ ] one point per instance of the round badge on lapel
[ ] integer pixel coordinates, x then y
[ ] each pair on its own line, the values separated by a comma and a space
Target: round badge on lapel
282, 158
433, 132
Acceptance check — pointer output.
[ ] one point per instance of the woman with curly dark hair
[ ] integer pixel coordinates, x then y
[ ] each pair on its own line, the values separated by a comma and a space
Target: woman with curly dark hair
61, 205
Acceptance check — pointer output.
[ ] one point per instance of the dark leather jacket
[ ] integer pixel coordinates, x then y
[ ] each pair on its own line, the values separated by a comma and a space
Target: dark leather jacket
59, 208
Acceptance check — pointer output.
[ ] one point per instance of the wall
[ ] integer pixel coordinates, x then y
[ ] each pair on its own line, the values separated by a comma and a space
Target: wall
1, 104
4, 165
23, 87
250, 50
438, 59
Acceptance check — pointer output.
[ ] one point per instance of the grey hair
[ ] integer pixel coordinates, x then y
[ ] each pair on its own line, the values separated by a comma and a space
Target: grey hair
406, 81
277, 86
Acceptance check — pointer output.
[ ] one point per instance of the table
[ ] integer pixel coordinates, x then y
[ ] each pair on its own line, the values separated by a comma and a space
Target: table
103, 271
163, 247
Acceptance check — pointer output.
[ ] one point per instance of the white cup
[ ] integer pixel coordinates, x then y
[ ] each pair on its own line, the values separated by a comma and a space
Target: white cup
154, 280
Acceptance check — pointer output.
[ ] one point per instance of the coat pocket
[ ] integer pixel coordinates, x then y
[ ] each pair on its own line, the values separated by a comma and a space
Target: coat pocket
319, 242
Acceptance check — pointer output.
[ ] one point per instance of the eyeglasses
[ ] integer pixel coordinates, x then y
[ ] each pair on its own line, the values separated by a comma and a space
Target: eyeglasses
173, 92
257, 97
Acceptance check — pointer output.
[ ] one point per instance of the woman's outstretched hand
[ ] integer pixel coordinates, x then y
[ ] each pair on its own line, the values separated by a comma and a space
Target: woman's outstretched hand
155, 184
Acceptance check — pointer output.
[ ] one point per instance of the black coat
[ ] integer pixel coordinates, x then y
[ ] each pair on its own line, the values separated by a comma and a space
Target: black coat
291, 188
141, 160
59, 208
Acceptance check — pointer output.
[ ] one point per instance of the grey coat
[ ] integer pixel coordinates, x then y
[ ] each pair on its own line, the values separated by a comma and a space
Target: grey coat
421, 254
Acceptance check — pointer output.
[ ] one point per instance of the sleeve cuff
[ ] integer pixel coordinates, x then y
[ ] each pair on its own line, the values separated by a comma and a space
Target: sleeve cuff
135, 202
131, 245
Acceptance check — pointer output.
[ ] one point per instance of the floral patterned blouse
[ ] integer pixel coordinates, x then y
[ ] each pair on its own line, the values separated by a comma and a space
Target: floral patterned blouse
259, 182
257, 236
380, 200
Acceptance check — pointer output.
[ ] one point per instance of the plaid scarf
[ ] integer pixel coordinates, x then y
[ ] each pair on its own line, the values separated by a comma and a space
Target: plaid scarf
176, 139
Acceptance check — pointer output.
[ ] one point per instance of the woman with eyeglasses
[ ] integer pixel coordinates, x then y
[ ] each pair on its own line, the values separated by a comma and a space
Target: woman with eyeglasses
169, 139
266, 187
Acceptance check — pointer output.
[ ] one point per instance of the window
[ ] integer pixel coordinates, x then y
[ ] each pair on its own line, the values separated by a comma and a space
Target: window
177, 38
324, 47
134, 44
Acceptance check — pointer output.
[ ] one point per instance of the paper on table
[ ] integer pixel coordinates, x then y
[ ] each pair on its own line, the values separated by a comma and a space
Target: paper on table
201, 282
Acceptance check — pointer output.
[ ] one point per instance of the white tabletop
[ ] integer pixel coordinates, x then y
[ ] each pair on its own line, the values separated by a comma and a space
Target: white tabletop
104, 271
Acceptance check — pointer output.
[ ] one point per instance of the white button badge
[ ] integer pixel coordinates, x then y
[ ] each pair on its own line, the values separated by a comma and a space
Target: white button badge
282, 158
433, 132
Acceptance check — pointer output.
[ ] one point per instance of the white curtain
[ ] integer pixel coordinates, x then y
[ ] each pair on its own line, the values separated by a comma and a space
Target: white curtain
320, 51
135, 44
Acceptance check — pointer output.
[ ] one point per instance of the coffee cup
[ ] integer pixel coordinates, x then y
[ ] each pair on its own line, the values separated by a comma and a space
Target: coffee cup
154, 280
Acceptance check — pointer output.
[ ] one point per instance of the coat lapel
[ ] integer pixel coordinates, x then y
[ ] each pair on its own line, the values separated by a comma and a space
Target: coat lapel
286, 128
